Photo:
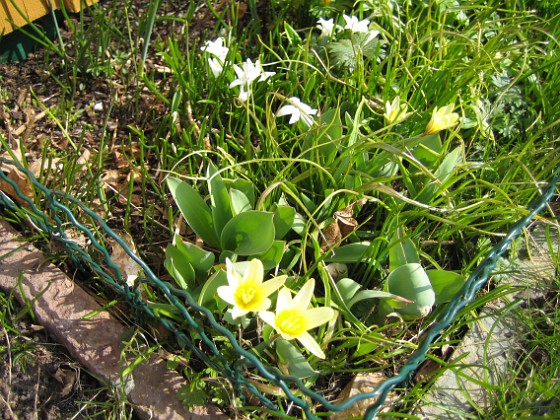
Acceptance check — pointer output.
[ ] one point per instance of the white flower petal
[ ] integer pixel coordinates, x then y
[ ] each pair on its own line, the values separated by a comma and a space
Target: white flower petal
296, 115
269, 318
318, 316
226, 294
285, 110
254, 272
310, 344
236, 312
284, 299
232, 275
272, 285
303, 298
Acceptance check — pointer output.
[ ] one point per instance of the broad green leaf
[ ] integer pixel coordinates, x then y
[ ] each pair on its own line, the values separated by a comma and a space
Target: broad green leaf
283, 219
208, 294
219, 198
249, 233
376, 294
442, 174
411, 282
201, 260
179, 268
446, 284
195, 211
347, 289
245, 186
273, 256
292, 361
350, 253
239, 201
403, 251
449, 164
429, 150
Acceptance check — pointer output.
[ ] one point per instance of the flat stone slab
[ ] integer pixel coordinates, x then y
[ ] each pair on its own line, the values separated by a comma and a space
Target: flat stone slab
60, 305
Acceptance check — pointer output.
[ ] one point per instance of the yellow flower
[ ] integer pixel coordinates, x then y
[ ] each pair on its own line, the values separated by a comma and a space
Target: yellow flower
395, 112
248, 293
442, 119
294, 318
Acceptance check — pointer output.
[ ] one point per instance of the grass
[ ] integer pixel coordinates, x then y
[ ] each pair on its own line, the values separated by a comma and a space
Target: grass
440, 200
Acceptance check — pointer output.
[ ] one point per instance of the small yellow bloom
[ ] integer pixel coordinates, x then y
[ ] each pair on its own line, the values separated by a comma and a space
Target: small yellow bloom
294, 318
442, 118
248, 293
395, 112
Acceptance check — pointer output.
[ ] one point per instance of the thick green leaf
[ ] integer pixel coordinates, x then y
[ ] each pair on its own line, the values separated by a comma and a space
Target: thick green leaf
283, 219
350, 253
446, 284
442, 174
249, 233
376, 294
201, 260
245, 186
292, 361
179, 268
403, 251
219, 198
411, 282
347, 289
449, 164
208, 294
273, 256
429, 150
239, 201
195, 211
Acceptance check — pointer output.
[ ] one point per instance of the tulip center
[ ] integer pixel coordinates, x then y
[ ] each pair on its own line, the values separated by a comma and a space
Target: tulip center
245, 295
291, 322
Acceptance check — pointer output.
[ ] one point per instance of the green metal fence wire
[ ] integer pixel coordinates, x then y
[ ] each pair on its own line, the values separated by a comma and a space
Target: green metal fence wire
53, 216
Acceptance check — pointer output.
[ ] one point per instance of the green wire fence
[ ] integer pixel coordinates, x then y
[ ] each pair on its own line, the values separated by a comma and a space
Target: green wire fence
53, 216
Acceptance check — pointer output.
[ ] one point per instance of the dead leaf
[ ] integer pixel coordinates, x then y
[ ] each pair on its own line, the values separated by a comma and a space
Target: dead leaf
129, 268
362, 383
343, 224
22, 183
66, 378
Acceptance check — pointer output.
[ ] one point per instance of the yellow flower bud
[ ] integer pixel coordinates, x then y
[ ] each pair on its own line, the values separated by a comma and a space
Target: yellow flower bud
442, 119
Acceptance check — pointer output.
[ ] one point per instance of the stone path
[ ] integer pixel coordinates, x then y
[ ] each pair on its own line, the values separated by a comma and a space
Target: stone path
60, 306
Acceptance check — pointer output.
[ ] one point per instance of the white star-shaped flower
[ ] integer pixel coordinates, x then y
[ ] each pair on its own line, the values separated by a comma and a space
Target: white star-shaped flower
216, 48
298, 111
246, 75
326, 27
353, 24
219, 51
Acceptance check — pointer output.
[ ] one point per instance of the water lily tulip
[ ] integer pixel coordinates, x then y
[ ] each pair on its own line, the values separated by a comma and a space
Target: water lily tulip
442, 119
294, 318
248, 293
395, 112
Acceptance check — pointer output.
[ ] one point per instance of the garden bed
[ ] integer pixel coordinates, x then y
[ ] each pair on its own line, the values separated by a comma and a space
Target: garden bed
322, 160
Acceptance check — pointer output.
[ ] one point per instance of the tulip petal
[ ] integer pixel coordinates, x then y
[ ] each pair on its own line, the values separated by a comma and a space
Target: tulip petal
232, 275
226, 294
284, 299
303, 298
254, 272
272, 285
236, 312
317, 316
269, 318
310, 344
